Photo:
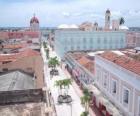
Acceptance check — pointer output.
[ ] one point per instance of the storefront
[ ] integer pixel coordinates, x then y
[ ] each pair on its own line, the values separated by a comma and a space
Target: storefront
103, 104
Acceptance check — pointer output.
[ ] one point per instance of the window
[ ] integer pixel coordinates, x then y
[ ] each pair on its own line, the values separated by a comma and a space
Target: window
5, 69
98, 74
105, 79
91, 40
105, 41
72, 48
105, 82
98, 40
84, 40
114, 87
126, 96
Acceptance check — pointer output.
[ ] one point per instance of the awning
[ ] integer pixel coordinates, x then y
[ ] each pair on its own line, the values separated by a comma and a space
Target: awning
75, 73
104, 101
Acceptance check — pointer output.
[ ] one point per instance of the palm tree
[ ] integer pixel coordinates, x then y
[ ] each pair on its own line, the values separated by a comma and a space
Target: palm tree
59, 84
53, 62
85, 99
122, 21
66, 84
84, 114
63, 84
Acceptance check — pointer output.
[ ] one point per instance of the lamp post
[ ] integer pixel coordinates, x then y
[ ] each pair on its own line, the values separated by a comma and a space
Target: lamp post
70, 104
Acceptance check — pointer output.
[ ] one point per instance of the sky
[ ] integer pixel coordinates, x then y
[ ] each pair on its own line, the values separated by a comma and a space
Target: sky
51, 13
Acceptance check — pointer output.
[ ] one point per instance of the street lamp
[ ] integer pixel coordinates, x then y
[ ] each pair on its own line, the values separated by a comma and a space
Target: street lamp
70, 104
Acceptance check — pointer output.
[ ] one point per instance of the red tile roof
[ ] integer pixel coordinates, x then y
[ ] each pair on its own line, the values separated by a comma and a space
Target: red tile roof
15, 46
15, 56
87, 63
123, 61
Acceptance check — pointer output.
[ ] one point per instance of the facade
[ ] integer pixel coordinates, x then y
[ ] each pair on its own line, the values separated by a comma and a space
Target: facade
133, 39
80, 67
77, 40
86, 26
118, 77
115, 24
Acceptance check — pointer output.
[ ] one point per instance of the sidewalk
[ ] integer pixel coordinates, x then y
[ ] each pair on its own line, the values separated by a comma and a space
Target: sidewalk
80, 94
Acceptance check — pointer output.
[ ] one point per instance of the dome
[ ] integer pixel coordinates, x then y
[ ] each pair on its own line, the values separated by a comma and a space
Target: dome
64, 26
108, 11
95, 23
123, 27
34, 20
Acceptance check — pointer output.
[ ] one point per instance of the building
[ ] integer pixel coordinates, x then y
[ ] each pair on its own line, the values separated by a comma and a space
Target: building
20, 95
20, 34
133, 39
81, 67
86, 26
34, 23
107, 19
115, 24
77, 40
118, 78
29, 61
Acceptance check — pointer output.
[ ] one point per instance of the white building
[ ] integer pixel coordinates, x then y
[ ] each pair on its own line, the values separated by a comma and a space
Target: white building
118, 77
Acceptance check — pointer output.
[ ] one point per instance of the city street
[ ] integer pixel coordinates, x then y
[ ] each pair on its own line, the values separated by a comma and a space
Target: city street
73, 109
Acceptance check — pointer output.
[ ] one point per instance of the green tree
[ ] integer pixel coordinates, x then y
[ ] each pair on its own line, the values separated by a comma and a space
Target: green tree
53, 62
63, 84
84, 114
44, 44
47, 53
122, 21
85, 99
66, 84
59, 84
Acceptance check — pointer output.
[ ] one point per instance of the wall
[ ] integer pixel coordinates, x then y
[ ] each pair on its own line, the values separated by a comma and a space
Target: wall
75, 40
124, 78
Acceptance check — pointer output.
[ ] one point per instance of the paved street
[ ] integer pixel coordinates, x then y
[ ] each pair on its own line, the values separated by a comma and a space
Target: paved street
74, 109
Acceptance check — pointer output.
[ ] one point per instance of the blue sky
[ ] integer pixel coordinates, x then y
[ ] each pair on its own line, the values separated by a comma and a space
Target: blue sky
55, 12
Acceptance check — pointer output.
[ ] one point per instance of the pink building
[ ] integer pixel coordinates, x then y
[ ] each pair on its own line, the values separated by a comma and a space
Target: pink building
133, 39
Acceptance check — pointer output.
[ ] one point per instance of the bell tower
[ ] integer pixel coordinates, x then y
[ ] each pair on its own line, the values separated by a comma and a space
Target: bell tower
107, 19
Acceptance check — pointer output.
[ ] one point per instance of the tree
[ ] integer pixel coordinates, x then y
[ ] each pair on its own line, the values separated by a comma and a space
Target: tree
122, 21
59, 84
53, 62
66, 84
63, 84
47, 53
85, 99
44, 44
84, 114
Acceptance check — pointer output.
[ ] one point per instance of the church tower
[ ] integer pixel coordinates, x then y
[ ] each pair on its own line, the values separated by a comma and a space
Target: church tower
34, 24
107, 19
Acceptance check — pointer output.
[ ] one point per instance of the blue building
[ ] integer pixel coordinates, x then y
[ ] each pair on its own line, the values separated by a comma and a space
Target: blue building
77, 40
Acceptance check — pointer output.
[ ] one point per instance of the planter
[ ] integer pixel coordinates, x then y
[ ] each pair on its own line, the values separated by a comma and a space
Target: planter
64, 99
